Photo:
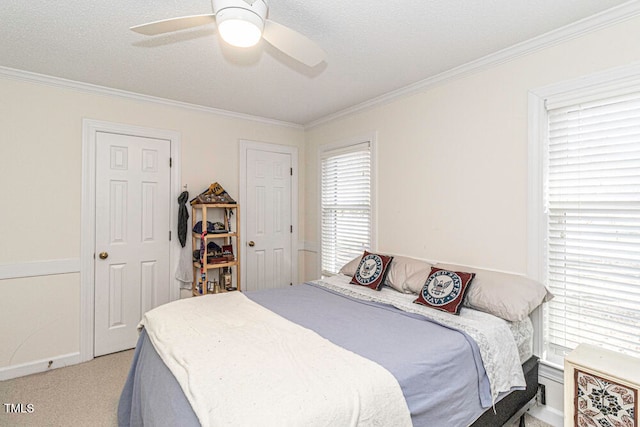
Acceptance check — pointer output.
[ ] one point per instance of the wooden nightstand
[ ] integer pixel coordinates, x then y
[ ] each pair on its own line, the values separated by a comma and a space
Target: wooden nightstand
600, 388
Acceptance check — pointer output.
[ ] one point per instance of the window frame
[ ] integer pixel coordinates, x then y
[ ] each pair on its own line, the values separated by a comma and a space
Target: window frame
605, 82
371, 138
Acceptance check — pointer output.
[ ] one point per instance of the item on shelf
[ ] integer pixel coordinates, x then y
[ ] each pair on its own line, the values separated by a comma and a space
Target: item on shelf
212, 227
213, 287
213, 248
218, 227
215, 259
214, 194
227, 250
228, 213
203, 271
213, 251
225, 277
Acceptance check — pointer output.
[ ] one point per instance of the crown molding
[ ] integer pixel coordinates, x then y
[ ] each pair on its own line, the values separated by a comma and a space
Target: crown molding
584, 26
601, 20
31, 77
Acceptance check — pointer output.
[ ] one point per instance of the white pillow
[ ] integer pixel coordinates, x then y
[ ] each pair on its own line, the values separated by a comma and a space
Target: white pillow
416, 281
401, 269
349, 269
511, 297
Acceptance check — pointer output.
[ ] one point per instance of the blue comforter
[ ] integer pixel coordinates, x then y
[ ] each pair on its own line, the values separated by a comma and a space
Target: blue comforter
439, 369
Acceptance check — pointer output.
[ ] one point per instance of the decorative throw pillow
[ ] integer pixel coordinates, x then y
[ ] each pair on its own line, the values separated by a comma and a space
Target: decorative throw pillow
372, 270
444, 290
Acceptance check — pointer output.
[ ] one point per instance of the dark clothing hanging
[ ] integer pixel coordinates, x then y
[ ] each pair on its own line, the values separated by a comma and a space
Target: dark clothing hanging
183, 216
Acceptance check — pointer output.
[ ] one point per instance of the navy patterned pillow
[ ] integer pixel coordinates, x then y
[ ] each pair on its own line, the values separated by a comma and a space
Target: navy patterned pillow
372, 270
445, 290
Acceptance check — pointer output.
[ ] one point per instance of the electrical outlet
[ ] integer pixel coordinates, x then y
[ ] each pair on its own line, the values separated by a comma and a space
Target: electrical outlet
542, 394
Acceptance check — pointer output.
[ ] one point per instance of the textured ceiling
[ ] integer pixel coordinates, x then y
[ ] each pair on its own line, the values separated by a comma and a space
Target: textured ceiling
373, 47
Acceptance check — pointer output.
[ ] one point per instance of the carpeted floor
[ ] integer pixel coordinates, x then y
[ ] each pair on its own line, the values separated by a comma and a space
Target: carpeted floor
81, 395
531, 422
84, 395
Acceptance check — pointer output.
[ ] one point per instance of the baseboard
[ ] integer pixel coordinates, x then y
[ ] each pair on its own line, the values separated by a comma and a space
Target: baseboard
548, 415
15, 371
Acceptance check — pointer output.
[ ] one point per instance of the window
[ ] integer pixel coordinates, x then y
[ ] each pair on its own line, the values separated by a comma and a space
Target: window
590, 225
345, 203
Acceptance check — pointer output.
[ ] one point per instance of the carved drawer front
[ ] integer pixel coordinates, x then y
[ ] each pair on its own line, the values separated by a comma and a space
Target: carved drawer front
600, 402
601, 388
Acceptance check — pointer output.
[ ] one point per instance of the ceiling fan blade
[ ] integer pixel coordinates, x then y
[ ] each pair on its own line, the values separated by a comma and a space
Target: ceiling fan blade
173, 24
293, 43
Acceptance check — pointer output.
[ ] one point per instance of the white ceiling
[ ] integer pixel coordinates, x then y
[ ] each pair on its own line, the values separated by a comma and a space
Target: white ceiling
373, 47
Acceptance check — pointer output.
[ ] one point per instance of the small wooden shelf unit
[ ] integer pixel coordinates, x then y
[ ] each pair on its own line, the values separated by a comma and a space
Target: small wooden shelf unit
601, 387
210, 271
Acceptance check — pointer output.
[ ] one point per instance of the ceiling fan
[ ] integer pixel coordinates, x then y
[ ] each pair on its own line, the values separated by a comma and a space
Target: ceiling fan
242, 23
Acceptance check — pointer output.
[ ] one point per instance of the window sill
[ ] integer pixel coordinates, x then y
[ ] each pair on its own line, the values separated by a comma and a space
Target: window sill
551, 371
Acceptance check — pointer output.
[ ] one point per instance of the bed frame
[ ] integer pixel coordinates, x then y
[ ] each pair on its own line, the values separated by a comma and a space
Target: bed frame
514, 405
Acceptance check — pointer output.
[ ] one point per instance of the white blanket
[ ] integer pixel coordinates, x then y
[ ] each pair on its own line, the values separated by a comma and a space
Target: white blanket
240, 364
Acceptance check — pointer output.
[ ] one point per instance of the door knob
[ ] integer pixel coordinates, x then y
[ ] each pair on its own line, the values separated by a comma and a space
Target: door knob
103, 255
252, 243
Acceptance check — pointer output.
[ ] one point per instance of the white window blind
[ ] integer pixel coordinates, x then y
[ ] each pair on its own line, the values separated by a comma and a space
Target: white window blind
592, 197
345, 205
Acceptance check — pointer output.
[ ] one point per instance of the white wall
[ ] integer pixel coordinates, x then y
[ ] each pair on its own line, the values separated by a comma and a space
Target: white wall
452, 160
40, 184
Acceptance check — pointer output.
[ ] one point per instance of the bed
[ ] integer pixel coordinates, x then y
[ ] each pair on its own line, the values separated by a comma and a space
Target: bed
362, 357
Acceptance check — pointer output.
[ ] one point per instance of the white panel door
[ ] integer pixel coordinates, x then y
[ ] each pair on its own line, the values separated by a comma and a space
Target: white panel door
132, 236
268, 220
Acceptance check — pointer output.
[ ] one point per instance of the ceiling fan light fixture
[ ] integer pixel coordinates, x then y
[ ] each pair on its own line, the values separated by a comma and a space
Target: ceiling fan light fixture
243, 23
239, 26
